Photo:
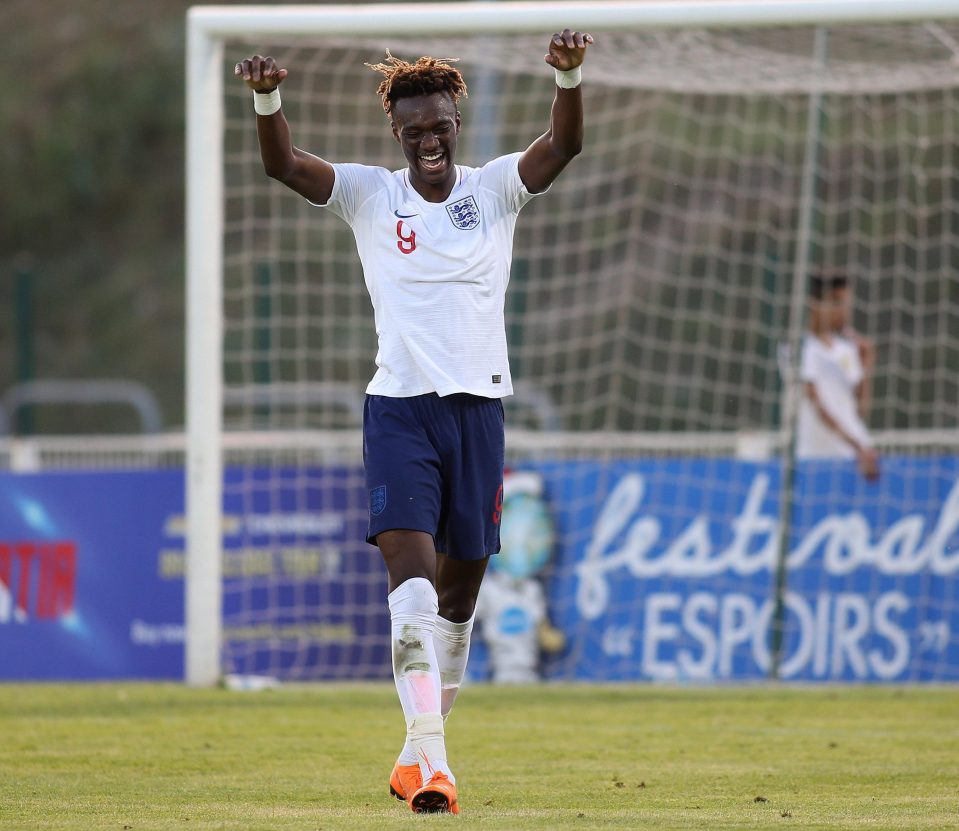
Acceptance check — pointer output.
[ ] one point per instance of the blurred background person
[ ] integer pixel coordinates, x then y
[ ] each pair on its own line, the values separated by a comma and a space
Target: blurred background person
835, 368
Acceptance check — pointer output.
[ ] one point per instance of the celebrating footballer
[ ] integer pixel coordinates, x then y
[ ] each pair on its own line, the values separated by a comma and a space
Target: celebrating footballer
435, 239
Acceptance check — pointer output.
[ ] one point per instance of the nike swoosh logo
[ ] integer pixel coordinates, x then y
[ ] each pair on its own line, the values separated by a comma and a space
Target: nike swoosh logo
398, 215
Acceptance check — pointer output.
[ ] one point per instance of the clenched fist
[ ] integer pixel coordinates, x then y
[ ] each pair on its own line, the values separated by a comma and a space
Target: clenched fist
260, 74
567, 49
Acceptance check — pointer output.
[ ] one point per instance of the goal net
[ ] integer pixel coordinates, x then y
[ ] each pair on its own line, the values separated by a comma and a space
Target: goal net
655, 313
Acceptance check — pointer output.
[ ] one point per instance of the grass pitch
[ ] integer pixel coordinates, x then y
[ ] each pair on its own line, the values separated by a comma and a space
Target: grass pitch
139, 757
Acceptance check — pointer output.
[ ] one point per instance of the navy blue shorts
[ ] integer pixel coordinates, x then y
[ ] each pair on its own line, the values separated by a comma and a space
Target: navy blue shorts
436, 465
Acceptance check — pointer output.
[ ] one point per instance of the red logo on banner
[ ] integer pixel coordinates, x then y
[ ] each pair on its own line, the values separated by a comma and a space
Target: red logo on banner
37, 579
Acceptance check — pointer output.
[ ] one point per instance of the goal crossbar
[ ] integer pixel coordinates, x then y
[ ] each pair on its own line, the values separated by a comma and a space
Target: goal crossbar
529, 18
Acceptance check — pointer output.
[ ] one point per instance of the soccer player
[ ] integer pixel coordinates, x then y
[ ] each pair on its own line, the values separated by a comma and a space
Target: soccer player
435, 240
835, 368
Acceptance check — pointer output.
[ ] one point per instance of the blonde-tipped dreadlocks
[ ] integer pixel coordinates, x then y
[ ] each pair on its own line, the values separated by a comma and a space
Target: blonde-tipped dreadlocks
428, 75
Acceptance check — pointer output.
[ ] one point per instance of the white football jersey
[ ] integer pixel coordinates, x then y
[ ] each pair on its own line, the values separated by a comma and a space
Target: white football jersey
437, 274
835, 370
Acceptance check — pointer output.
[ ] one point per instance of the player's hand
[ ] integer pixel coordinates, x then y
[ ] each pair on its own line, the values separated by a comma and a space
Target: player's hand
260, 74
567, 50
869, 463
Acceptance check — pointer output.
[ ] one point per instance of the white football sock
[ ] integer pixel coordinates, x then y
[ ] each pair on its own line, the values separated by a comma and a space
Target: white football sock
413, 607
452, 644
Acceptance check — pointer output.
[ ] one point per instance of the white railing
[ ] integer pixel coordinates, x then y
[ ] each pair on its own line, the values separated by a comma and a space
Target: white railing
46, 453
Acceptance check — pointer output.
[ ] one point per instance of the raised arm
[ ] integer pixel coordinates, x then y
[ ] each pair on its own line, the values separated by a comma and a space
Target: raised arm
546, 157
308, 175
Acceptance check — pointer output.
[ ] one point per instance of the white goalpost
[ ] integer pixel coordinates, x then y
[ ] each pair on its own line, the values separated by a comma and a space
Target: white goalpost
657, 299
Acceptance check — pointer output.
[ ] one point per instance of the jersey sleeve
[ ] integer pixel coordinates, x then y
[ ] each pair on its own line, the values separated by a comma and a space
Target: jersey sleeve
352, 186
501, 176
856, 372
809, 371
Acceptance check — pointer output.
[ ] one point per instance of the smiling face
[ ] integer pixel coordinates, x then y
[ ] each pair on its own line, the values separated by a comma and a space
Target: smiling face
426, 126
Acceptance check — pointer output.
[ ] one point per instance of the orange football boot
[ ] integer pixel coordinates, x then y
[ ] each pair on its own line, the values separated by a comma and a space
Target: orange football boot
438, 796
405, 780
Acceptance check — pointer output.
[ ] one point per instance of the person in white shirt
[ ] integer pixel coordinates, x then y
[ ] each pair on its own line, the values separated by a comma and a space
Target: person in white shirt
835, 368
435, 240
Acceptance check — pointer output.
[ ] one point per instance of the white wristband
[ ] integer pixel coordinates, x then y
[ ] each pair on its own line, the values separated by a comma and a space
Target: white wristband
266, 103
569, 79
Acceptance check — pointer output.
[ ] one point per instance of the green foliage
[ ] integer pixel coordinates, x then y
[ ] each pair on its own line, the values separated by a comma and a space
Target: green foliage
92, 167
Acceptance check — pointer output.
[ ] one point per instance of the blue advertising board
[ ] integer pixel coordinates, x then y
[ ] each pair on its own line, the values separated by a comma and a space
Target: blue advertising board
663, 569
304, 595
669, 571
92, 566
80, 594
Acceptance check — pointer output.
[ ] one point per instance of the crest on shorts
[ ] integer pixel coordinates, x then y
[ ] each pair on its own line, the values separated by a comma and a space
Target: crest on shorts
378, 500
464, 213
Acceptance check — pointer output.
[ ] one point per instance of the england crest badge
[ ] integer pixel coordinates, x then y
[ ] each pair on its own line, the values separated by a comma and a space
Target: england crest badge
464, 213
378, 500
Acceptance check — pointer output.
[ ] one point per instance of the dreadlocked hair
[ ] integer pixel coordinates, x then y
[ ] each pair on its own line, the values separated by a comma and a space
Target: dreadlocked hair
402, 79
